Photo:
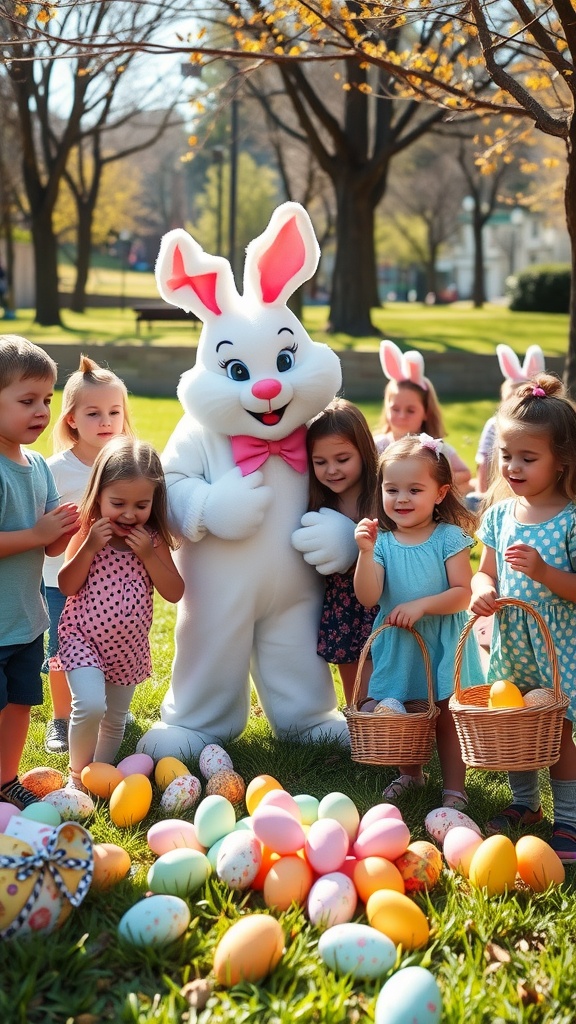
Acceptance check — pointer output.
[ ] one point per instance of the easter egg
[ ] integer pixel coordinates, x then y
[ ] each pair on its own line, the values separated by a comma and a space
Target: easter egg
167, 769
439, 821
326, 845
256, 789
377, 813
181, 794
130, 801
504, 694
460, 845
227, 783
71, 804
372, 873
493, 866
101, 779
398, 917
420, 866
136, 764
269, 857
410, 995
538, 864
278, 829
214, 818
331, 900
249, 950
342, 809
173, 834
111, 865
280, 798
389, 706
213, 758
154, 921
239, 859
308, 806
8, 811
388, 838
288, 880
179, 872
358, 950
41, 781
538, 698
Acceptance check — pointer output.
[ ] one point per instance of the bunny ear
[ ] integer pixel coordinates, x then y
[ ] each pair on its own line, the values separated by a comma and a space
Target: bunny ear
533, 361
283, 257
509, 363
413, 368
391, 361
191, 279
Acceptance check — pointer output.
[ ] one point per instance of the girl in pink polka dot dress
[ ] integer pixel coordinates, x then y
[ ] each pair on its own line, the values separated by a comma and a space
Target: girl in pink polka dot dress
121, 553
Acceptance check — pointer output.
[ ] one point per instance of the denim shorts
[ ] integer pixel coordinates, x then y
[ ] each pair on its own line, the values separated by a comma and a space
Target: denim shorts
20, 681
55, 600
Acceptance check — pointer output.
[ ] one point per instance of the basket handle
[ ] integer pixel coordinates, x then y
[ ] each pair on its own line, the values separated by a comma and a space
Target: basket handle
502, 602
366, 650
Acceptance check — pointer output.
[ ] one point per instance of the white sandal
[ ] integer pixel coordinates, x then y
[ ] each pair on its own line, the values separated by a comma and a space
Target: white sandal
455, 799
402, 784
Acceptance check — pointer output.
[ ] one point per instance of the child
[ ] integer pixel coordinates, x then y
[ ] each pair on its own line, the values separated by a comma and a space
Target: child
120, 554
342, 461
94, 409
32, 522
414, 561
411, 406
530, 553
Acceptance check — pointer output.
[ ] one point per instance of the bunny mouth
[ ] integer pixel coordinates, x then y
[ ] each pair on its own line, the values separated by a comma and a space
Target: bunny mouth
270, 418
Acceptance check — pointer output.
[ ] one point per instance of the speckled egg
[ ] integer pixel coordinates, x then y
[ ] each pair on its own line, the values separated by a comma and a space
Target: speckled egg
155, 921
71, 804
238, 860
181, 794
227, 783
41, 781
538, 698
439, 821
358, 950
332, 900
410, 995
213, 758
420, 866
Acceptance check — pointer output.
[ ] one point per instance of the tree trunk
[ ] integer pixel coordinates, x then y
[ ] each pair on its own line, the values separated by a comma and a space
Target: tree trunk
478, 290
354, 286
570, 205
83, 245
46, 269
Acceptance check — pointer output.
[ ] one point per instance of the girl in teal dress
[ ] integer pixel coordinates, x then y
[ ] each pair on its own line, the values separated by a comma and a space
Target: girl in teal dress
530, 553
414, 561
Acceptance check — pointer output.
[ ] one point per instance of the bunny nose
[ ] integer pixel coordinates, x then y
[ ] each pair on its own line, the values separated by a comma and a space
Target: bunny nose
266, 389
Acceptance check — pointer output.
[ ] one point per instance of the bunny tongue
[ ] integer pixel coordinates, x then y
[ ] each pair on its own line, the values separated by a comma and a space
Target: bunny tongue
270, 418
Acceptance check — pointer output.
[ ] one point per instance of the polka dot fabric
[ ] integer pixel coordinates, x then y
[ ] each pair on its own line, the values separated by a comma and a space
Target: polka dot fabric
106, 624
518, 651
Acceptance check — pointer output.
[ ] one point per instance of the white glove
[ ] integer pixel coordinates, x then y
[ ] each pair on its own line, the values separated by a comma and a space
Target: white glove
236, 505
326, 539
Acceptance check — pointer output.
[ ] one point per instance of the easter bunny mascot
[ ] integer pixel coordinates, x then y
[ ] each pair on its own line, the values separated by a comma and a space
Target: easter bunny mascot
236, 472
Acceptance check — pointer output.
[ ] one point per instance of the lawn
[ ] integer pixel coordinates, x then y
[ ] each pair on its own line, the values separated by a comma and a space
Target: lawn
498, 961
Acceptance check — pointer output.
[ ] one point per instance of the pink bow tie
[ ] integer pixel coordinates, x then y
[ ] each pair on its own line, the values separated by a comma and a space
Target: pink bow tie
251, 452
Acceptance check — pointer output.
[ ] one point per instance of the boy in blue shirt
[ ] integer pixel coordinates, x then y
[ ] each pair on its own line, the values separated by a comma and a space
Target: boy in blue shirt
32, 524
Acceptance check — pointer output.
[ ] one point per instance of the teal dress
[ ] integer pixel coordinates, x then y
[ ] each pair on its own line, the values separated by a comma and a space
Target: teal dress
518, 650
412, 572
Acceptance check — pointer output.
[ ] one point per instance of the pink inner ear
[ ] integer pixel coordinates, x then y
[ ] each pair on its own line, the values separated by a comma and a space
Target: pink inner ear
203, 284
281, 261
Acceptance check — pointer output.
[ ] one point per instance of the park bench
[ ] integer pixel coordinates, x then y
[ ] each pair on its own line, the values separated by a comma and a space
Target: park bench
160, 311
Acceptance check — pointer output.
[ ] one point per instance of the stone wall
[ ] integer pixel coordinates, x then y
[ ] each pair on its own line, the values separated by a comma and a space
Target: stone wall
156, 370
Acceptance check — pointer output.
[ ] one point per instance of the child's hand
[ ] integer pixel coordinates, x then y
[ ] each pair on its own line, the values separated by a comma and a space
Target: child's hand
99, 535
406, 614
366, 533
140, 542
525, 559
483, 602
55, 524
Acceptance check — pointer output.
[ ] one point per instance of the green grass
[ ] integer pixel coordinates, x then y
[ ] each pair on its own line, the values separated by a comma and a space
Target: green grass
497, 961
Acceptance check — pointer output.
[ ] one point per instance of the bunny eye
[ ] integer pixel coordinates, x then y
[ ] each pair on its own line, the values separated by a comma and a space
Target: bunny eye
286, 359
236, 369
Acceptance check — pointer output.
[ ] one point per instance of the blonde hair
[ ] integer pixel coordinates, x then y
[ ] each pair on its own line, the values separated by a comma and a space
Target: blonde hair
432, 423
21, 360
88, 374
451, 509
125, 458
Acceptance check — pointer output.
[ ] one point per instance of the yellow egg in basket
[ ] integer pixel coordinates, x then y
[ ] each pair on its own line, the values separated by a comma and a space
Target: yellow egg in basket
504, 694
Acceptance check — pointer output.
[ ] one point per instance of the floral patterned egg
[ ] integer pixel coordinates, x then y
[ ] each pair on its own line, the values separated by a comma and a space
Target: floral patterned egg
181, 794
212, 759
439, 821
420, 866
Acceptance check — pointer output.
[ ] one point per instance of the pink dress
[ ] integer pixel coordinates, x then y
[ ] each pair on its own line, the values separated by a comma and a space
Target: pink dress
106, 625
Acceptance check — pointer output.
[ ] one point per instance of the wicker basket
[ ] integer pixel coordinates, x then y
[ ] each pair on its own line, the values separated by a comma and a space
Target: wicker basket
393, 738
508, 739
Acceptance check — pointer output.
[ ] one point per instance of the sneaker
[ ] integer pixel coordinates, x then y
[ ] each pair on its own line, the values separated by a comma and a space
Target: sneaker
514, 816
563, 842
402, 784
15, 793
74, 782
56, 736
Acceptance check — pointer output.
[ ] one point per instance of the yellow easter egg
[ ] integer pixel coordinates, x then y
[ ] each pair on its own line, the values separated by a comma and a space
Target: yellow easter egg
538, 864
168, 769
398, 917
100, 778
111, 865
249, 950
257, 788
504, 694
130, 801
493, 866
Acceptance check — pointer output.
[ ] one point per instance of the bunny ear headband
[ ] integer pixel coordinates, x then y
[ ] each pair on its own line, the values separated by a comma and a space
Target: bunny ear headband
510, 364
402, 366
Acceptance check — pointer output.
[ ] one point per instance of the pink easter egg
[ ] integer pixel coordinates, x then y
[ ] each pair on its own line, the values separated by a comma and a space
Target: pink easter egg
280, 798
387, 838
278, 830
173, 834
326, 845
7, 811
377, 813
136, 764
460, 845
332, 900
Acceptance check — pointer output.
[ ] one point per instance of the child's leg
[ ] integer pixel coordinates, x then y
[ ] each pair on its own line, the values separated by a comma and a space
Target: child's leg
348, 676
450, 756
563, 783
20, 688
14, 724
56, 736
525, 808
111, 731
88, 689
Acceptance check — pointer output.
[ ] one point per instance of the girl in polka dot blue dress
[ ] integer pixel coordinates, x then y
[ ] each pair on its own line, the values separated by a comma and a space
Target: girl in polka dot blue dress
529, 553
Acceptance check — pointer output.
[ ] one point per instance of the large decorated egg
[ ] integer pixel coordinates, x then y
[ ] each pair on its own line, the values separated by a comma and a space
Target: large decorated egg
420, 866
357, 950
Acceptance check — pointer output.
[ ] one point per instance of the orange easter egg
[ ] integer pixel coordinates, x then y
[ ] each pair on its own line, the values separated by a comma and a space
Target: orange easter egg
375, 873
288, 881
256, 789
249, 950
538, 864
111, 865
101, 779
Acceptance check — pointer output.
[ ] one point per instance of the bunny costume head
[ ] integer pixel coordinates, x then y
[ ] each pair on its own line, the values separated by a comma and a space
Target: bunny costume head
236, 472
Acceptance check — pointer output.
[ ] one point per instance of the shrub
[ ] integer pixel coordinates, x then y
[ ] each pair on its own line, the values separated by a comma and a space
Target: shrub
542, 288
